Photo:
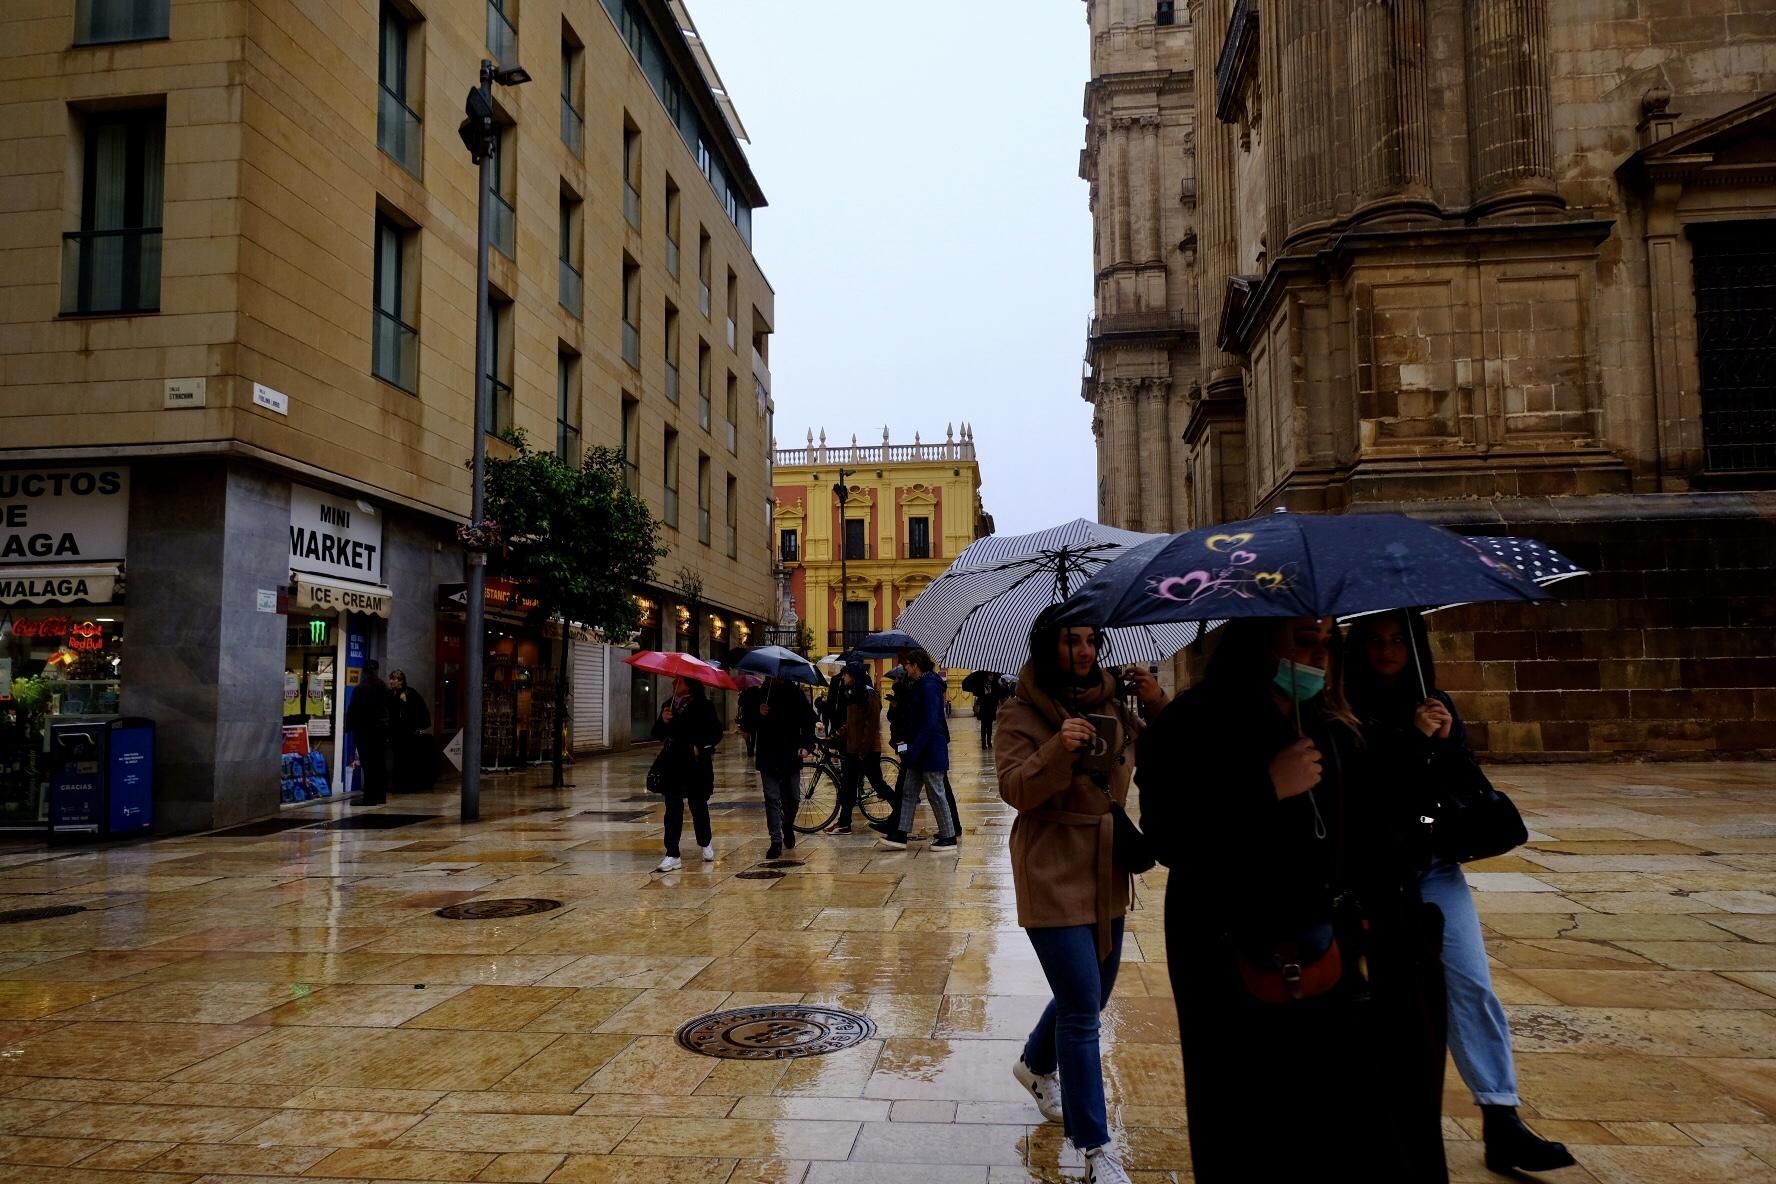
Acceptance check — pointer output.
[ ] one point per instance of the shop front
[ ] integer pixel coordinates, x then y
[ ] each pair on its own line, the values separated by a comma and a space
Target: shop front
518, 684
63, 538
646, 695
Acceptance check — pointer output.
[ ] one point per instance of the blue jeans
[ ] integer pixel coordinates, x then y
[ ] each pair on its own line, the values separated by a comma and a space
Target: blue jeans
1479, 1034
1066, 1037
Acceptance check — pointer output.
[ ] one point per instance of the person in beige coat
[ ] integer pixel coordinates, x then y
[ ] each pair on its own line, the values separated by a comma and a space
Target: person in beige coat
1059, 776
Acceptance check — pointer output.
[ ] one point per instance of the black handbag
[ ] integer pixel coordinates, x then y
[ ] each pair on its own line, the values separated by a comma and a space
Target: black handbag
1132, 849
659, 771
1472, 819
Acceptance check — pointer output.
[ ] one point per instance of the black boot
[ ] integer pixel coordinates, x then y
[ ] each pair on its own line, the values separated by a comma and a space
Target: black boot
1512, 1146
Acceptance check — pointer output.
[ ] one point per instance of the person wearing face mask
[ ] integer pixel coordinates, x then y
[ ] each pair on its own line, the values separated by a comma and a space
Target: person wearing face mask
1063, 775
1394, 692
1303, 961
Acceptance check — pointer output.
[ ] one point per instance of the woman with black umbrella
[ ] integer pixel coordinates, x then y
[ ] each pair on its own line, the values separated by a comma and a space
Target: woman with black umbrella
1303, 962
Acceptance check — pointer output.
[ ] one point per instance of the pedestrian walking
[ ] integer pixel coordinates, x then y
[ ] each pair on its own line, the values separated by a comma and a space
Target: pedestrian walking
926, 759
785, 738
1303, 962
986, 709
690, 730
750, 699
862, 739
367, 719
1064, 763
410, 741
1402, 710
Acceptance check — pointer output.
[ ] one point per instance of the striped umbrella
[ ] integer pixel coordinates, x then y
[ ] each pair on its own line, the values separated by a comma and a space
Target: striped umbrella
977, 615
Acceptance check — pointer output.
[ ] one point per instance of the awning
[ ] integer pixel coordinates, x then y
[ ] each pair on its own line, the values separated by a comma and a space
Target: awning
320, 594
60, 583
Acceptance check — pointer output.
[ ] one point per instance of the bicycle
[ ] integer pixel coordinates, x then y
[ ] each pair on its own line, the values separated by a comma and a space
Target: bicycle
818, 794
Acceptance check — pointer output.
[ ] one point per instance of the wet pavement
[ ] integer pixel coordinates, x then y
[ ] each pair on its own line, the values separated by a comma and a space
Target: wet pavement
287, 1005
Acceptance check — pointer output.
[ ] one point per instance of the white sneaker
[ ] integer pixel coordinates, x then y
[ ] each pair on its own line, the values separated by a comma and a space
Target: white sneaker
709, 853
1104, 1166
1044, 1087
671, 863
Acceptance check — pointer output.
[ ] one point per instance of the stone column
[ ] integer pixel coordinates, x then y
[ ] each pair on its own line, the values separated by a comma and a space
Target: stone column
1390, 129
1118, 156
1309, 108
1156, 454
1275, 133
1144, 190
1510, 124
1125, 455
1218, 237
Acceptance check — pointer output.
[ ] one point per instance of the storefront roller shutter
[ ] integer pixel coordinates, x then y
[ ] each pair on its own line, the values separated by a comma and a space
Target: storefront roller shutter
591, 702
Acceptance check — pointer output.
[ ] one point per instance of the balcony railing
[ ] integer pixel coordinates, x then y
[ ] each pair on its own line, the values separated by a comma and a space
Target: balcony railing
99, 22
759, 369
573, 128
703, 298
502, 38
672, 256
632, 205
876, 454
840, 640
632, 345
395, 351
398, 130
499, 408
919, 549
670, 508
110, 271
571, 288
632, 477
505, 227
672, 382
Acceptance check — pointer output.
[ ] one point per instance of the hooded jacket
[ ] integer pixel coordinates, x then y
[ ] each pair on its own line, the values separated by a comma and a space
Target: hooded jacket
927, 731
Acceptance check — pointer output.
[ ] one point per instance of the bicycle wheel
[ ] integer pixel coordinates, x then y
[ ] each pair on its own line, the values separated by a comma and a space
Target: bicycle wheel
875, 807
817, 799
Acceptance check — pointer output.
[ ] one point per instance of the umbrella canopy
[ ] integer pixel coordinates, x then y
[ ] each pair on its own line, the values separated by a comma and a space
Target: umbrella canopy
977, 615
978, 682
831, 664
1296, 565
677, 665
774, 661
1538, 561
885, 644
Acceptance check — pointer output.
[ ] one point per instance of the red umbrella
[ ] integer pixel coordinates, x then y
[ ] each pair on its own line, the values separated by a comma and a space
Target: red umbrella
676, 665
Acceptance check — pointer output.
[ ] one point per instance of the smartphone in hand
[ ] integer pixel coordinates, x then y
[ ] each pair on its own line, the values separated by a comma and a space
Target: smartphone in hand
1101, 756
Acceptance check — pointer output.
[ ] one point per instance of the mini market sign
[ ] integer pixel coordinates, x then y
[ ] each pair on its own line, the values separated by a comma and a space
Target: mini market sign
335, 536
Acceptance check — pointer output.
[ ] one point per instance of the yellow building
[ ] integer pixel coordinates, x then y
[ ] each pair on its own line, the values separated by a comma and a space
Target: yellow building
910, 510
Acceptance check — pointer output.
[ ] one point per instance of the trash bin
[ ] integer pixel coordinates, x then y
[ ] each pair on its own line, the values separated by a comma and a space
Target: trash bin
101, 778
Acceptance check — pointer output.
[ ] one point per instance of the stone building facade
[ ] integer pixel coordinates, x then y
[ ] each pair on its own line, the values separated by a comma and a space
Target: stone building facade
240, 244
1508, 264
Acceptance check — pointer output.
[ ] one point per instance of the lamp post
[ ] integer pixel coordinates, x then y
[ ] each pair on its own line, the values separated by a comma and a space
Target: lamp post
843, 493
481, 138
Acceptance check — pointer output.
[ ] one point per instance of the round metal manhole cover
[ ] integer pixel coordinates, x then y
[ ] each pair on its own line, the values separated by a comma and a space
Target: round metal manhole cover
494, 910
758, 873
773, 1033
14, 916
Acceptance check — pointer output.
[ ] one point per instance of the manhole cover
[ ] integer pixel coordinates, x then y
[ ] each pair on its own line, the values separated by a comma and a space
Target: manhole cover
772, 1033
781, 863
759, 874
491, 910
13, 916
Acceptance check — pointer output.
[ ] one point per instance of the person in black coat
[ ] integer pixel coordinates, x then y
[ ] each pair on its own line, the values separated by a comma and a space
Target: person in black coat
785, 738
690, 730
1304, 964
367, 718
410, 744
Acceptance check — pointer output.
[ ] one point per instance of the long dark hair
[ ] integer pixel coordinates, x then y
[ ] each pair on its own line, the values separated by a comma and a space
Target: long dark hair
1045, 663
1364, 689
1243, 663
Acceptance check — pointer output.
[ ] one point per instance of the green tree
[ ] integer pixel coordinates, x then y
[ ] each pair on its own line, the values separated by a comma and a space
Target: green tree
575, 539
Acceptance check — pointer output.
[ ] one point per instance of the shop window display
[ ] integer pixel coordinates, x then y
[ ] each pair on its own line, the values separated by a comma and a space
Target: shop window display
310, 684
56, 663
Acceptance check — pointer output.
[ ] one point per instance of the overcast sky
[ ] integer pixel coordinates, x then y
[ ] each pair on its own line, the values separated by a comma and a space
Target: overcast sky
927, 234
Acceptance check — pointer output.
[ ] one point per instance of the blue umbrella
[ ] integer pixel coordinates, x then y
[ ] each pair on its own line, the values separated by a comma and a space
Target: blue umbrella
774, 661
1295, 565
886, 644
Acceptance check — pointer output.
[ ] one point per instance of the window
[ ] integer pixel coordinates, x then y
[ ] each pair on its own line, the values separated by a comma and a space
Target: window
112, 263
789, 546
567, 407
1734, 266
631, 173
502, 36
733, 310
631, 427
502, 187
732, 506
397, 123
498, 421
702, 499
733, 428
703, 396
98, 22
705, 267
395, 342
573, 122
672, 216
631, 312
571, 283
857, 623
671, 351
918, 538
670, 477
856, 546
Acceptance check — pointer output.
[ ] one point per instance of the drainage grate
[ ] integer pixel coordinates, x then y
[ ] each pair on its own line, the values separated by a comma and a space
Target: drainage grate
378, 821
14, 916
759, 874
776, 1032
779, 863
493, 910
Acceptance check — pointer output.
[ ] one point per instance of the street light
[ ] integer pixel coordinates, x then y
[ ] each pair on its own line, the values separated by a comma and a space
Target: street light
843, 493
481, 138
